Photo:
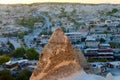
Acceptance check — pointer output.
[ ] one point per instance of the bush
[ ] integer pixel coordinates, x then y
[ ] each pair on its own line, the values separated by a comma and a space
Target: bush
4, 59
5, 75
19, 52
91, 60
30, 21
102, 60
102, 40
24, 75
31, 54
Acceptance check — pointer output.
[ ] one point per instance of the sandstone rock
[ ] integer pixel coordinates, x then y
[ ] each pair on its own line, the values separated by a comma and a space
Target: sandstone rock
57, 59
81, 58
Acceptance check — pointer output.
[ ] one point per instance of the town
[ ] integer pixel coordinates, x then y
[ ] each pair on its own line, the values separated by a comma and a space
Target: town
25, 29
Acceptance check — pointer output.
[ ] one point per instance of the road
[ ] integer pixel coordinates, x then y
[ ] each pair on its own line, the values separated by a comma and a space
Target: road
28, 39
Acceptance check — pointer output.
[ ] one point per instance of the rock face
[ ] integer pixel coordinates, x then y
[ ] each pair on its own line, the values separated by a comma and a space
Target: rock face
81, 58
57, 60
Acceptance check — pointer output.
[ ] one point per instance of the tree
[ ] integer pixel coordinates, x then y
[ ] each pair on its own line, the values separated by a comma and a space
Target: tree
105, 32
115, 44
115, 10
73, 13
90, 60
63, 13
4, 59
5, 75
32, 54
102, 60
21, 35
102, 40
24, 75
30, 21
11, 46
19, 52
83, 39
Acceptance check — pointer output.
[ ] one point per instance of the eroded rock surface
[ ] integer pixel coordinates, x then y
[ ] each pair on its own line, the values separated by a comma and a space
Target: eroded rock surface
57, 60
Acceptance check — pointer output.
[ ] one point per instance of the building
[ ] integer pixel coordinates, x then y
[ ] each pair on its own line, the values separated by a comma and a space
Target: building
115, 64
105, 53
91, 42
112, 23
101, 52
74, 36
97, 67
104, 46
91, 52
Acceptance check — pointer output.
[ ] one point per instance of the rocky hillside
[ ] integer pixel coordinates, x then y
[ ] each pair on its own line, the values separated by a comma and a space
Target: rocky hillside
9, 13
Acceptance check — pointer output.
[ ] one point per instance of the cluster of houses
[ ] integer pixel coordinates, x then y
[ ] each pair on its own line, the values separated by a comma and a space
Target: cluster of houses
102, 67
4, 47
17, 65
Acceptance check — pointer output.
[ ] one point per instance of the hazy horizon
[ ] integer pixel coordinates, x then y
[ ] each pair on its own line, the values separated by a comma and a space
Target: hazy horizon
60, 1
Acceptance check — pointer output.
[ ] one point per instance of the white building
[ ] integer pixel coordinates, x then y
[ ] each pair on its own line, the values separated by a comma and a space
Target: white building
112, 23
75, 36
91, 42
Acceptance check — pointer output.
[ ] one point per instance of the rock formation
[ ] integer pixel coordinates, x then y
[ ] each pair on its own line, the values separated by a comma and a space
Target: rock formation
81, 58
57, 60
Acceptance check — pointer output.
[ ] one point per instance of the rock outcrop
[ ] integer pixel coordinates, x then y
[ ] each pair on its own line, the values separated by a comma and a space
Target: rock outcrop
58, 59
81, 58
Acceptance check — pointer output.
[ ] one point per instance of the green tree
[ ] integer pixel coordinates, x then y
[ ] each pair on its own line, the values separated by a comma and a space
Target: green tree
30, 21
102, 40
32, 54
73, 13
63, 13
21, 35
5, 75
10, 45
115, 44
4, 59
83, 39
24, 75
19, 52
115, 10
102, 60
90, 60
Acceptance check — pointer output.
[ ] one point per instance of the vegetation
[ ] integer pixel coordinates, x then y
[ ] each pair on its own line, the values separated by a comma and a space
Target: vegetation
3, 59
46, 33
30, 21
83, 39
64, 29
102, 60
91, 60
32, 54
110, 13
63, 13
21, 35
24, 75
86, 47
114, 44
102, 40
10, 45
19, 52
105, 32
5, 75
98, 60
118, 26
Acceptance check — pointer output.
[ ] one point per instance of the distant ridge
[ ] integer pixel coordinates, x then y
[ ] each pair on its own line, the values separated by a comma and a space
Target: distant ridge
60, 3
